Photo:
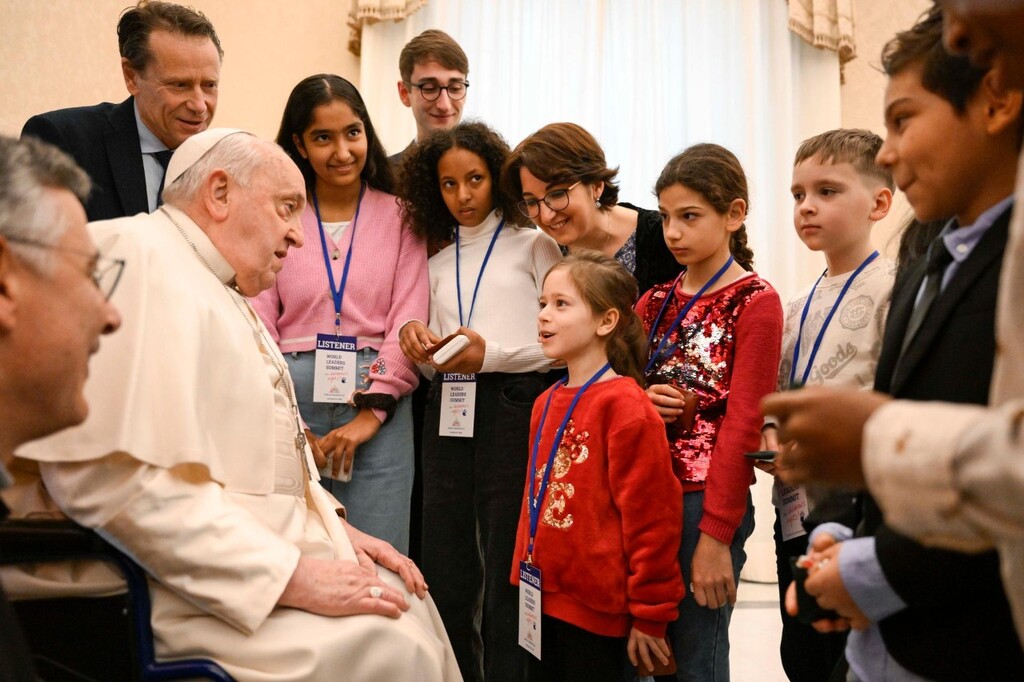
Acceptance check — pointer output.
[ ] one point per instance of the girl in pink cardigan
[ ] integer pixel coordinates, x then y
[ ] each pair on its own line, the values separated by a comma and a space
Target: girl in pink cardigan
338, 303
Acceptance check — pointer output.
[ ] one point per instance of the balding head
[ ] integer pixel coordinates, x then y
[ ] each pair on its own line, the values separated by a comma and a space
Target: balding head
246, 195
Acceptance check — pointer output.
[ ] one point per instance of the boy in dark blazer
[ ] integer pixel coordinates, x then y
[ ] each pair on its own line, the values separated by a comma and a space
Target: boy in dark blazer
952, 144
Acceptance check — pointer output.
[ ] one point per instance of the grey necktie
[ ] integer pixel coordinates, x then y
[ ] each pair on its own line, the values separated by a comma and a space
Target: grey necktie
938, 258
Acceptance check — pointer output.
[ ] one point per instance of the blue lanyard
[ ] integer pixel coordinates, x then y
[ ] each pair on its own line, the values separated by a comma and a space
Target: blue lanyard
661, 352
821, 334
480, 275
338, 293
537, 497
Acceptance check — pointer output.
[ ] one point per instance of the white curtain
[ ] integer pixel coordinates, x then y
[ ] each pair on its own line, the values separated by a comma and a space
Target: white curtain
647, 79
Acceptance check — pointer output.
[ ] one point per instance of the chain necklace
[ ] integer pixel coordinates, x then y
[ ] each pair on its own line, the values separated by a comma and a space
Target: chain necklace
259, 337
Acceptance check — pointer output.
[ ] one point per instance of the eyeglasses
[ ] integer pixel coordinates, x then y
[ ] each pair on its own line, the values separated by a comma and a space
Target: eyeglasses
556, 200
430, 90
104, 272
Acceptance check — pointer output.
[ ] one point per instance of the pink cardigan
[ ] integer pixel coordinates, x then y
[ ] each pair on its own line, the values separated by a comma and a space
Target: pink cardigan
387, 285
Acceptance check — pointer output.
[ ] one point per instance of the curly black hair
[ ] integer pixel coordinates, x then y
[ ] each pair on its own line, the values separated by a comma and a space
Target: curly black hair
424, 209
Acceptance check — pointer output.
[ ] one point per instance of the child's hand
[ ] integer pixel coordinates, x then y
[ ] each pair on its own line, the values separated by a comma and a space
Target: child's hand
641, 647
415, 339
825, 583
667, 400
711, 572
341, 443
470, 359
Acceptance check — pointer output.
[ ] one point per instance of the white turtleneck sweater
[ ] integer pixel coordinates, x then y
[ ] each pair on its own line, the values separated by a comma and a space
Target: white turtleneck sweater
506, 307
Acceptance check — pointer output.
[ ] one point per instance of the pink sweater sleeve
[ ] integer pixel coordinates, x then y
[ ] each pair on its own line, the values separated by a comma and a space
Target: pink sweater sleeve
268, 306
393, 373
753, 376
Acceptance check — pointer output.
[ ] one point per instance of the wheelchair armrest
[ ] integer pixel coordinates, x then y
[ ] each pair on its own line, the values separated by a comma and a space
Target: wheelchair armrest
43, 540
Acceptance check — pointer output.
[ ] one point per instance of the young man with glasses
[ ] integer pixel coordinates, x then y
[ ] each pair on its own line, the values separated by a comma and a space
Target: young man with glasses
54, 291
433, 69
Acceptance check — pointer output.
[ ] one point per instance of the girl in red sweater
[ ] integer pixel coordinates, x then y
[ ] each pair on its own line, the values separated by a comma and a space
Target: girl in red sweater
599, 529
714, 335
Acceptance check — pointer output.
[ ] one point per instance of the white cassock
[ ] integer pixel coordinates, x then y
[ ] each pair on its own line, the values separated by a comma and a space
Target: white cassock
189, 463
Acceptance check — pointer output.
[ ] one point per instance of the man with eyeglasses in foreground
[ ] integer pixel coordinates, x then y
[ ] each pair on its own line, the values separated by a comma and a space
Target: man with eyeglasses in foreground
54, 290
433, 68
194, 460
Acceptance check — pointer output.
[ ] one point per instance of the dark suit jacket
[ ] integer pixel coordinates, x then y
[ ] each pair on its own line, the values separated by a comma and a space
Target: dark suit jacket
104, 140
397, 158
957, 624
15, 664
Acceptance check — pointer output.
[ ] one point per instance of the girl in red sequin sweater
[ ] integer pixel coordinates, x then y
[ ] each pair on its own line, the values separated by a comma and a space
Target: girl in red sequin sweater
605, 530
714, 335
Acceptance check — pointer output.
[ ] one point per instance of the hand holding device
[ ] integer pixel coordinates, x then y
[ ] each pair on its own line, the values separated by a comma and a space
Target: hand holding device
448, 348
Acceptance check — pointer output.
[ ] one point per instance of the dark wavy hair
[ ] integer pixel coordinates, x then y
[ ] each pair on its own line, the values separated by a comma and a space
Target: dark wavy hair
315, 91
951, 77
561, 152
715, 173
423, 206
604, 284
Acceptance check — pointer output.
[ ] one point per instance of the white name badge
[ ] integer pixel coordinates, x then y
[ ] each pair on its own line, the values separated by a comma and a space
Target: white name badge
791, 501
529, 608
458, 405
334, 378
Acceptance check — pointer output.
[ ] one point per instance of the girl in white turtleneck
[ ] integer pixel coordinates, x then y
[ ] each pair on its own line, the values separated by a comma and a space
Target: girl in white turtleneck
485, 279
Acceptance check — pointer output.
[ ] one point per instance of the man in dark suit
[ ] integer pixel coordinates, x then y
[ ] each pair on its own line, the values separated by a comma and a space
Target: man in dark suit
170, 57
952, 140
433, 69
54, 289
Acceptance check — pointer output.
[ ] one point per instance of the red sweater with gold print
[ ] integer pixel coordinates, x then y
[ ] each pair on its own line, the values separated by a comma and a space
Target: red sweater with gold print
608, 536
726, 351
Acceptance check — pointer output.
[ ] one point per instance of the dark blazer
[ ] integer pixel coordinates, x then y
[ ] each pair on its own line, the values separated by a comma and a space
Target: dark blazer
397, 158
15, 663
957, 624
104, 140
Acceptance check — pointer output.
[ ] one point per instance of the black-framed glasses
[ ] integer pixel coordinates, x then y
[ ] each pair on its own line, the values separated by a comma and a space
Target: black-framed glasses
105, 272
430, 90
556, 200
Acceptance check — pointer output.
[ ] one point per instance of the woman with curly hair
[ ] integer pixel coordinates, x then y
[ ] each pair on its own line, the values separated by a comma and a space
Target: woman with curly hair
337, 304
484, 284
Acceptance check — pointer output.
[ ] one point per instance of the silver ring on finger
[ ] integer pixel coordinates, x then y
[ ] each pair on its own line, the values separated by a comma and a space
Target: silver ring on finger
376, 592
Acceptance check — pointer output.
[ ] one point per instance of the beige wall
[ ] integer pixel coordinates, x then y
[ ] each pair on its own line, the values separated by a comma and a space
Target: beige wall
861, 95
62, 53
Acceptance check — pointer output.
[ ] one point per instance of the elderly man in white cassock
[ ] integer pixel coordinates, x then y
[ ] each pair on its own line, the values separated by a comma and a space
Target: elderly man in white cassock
193, 459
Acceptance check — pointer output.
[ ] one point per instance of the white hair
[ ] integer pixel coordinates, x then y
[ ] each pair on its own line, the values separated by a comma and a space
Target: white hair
237, 155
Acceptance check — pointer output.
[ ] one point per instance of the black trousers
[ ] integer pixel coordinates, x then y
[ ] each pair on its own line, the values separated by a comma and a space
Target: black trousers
472, 497
807, 655
572, 654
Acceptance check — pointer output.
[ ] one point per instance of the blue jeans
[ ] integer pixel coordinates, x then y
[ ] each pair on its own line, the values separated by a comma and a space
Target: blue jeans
700, 636
378, 498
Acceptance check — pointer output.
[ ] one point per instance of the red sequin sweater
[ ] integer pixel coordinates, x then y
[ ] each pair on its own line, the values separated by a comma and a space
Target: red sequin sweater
727, 352
610, 522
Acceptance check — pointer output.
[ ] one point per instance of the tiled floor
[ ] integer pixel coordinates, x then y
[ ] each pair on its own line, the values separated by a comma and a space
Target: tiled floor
754, 634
